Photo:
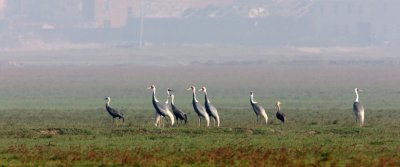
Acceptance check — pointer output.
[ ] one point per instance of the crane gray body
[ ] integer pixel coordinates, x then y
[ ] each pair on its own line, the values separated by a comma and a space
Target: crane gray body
210, 109
258, 109
113, 112
279, 114
179, 114
358, 109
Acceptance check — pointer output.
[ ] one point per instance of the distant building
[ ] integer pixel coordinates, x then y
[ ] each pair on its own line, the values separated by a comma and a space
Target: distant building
255, 22
365, 22
115, 14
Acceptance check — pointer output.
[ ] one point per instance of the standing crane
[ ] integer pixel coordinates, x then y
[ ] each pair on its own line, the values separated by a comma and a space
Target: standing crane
162, 110
113, 112
211, 110
198, 108
258, 109
358, 109
279, 114
175, 110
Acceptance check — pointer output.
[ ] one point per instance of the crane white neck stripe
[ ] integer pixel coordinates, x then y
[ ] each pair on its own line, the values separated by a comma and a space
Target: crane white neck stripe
252, 99
194, 97
154, 95
356, 96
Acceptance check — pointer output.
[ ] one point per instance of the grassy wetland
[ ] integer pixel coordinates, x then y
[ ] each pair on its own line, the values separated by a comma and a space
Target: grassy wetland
52, 111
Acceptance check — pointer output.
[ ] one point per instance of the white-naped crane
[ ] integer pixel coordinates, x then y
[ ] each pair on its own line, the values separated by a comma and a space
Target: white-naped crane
358, 109
211, 110
198, 108
279, 114
162, 110
258, 109
113, 112
179, 114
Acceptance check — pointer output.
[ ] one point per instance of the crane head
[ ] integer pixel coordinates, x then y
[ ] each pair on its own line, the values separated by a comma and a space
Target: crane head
169, 92
151, 87
251, 93
192, 88
203, 89
358, 90
107, 98
278, 103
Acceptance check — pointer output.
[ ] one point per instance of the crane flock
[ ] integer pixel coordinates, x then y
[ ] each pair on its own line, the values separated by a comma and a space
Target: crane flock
198, 108
162, 110
209, 111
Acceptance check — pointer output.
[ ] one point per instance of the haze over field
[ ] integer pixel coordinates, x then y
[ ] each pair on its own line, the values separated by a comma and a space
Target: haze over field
328, 40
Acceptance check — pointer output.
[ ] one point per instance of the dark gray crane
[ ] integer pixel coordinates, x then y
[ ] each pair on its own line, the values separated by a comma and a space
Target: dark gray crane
279, 114
358, 109
211, 110
179, 114
113, 112
162, 110
198, 108
258, 109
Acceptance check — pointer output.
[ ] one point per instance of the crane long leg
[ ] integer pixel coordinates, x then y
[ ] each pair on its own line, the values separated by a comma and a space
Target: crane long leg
214, 121
357, 115
199, 121
156, 123
266, 120
361, 118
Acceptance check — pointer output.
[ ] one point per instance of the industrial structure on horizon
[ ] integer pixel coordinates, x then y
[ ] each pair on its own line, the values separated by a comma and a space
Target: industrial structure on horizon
271, 22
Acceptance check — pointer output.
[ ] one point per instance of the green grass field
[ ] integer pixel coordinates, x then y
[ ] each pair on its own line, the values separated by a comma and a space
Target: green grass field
52, 107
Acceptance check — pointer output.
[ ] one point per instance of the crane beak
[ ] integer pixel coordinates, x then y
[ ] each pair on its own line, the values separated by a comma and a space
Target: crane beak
189, 89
